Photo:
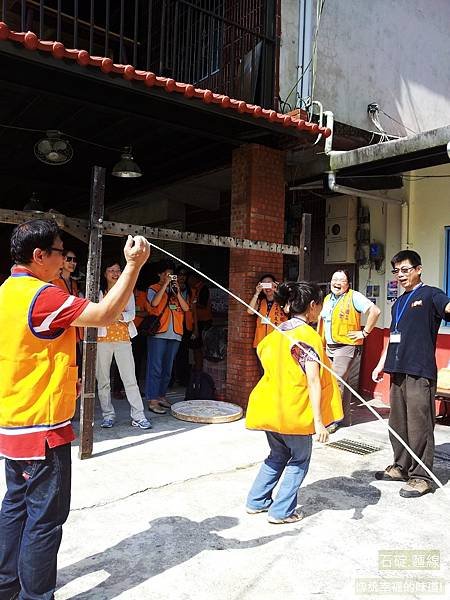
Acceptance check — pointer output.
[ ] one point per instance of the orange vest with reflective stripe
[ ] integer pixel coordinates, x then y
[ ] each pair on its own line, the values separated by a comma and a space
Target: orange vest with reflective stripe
165, 313
276, 316
280, 401
38, 375
344, 318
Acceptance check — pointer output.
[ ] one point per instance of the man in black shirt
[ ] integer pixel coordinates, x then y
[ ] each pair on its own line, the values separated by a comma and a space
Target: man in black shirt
411, 362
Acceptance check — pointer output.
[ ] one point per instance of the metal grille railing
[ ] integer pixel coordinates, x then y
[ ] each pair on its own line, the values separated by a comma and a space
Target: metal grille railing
228, 46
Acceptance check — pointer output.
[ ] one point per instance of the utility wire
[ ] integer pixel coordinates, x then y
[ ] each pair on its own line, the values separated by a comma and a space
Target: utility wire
398, 122
67, 135
311, 61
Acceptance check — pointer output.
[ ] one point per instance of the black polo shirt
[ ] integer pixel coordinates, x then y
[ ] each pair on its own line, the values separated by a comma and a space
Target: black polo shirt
419, 326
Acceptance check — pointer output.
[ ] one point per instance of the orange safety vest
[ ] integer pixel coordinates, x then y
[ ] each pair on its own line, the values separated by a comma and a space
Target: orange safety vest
38, 374
168, 308
276, 315
204, 313
344, 318
280, 400
61, 283
140, 300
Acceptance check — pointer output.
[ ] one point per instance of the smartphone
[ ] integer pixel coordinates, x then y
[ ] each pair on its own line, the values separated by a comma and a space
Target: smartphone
267, 286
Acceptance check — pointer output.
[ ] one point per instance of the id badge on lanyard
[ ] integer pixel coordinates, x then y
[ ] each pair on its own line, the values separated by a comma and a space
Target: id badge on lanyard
396, 336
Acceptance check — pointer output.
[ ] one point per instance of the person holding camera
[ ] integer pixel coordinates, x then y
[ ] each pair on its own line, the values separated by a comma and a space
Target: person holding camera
165, 301
264, 302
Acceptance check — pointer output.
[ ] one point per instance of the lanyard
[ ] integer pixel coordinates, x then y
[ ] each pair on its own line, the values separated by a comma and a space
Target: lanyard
399, 313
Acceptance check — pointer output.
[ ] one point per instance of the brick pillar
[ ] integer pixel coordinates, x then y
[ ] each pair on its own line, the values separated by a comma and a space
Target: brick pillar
257, 212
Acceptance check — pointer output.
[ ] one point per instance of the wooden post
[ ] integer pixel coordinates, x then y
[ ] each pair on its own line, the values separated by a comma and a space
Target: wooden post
90, 333
304, 254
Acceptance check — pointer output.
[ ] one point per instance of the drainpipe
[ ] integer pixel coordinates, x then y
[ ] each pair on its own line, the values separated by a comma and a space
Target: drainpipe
349, 191
405, 227
304, 49
330, 124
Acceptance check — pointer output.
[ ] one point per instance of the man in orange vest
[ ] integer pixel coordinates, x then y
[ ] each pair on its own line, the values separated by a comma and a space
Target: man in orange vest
343, 336
38, 390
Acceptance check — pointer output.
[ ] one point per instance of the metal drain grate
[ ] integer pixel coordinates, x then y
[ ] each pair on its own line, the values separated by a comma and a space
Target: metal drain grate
354, 447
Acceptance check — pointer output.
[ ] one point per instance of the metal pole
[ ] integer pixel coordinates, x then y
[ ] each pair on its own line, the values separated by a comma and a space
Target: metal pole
90, 333
304, 254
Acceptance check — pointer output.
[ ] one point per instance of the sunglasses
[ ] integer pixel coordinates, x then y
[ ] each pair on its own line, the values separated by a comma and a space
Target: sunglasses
60, 250
71, 258
403, 270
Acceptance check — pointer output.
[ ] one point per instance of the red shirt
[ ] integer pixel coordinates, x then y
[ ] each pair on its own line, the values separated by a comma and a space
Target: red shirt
58, 309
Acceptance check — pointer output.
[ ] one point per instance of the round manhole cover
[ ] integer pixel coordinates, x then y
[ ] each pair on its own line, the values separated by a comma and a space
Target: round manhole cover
206, 411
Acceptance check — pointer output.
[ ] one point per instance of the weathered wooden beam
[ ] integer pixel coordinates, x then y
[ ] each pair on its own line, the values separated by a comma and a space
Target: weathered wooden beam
90, 333
79, 229
76, 227
172, 235
15, 217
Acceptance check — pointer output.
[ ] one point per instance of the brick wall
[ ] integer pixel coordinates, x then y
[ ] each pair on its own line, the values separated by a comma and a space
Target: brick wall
257, 212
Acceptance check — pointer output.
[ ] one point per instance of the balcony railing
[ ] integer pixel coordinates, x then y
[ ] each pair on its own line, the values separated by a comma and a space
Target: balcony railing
227, 46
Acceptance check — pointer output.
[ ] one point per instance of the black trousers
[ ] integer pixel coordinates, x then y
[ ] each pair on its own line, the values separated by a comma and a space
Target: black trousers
412, 416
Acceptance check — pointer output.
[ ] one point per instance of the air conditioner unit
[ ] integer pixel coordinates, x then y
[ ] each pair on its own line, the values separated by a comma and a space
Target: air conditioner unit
340, 230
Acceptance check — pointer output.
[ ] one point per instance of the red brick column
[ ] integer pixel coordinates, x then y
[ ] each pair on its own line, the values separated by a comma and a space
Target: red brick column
257, 212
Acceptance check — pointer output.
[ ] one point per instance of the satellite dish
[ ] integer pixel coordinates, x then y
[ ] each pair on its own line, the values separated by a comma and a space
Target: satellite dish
53, 149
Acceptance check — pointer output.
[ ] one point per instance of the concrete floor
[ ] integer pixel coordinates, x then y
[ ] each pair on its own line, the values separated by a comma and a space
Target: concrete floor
160, 515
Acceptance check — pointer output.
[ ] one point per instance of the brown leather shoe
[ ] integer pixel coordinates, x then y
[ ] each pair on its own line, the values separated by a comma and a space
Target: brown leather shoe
391, 473
415, 488
156, 408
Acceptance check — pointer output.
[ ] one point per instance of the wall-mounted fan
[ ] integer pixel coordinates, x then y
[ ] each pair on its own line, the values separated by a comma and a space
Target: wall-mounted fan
53, 149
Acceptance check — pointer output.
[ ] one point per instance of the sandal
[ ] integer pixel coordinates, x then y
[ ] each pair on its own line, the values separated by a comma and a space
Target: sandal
391, 473
155, 408
164, 402
294, 518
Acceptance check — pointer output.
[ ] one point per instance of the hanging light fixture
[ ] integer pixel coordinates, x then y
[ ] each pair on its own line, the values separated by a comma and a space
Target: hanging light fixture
126, 167
53, 149
33, 204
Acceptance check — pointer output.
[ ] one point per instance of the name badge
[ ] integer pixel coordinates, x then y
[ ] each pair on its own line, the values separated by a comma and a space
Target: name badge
395, 337
265, 321
173, 306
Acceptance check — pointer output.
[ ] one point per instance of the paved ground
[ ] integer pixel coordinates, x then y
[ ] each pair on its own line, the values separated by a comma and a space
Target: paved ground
160, 515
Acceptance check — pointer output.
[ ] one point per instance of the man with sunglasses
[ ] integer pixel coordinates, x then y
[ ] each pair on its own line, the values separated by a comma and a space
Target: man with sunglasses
38, 390
411, 362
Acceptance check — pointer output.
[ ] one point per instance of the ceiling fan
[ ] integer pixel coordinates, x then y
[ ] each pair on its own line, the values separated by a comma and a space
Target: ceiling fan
53, 149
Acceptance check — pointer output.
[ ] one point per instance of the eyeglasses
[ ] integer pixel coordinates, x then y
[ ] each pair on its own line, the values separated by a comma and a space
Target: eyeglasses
52, 249
71, 258
403, 270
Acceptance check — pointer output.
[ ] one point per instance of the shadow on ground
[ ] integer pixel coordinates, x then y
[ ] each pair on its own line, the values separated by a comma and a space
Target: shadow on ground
169, 542
347, 493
